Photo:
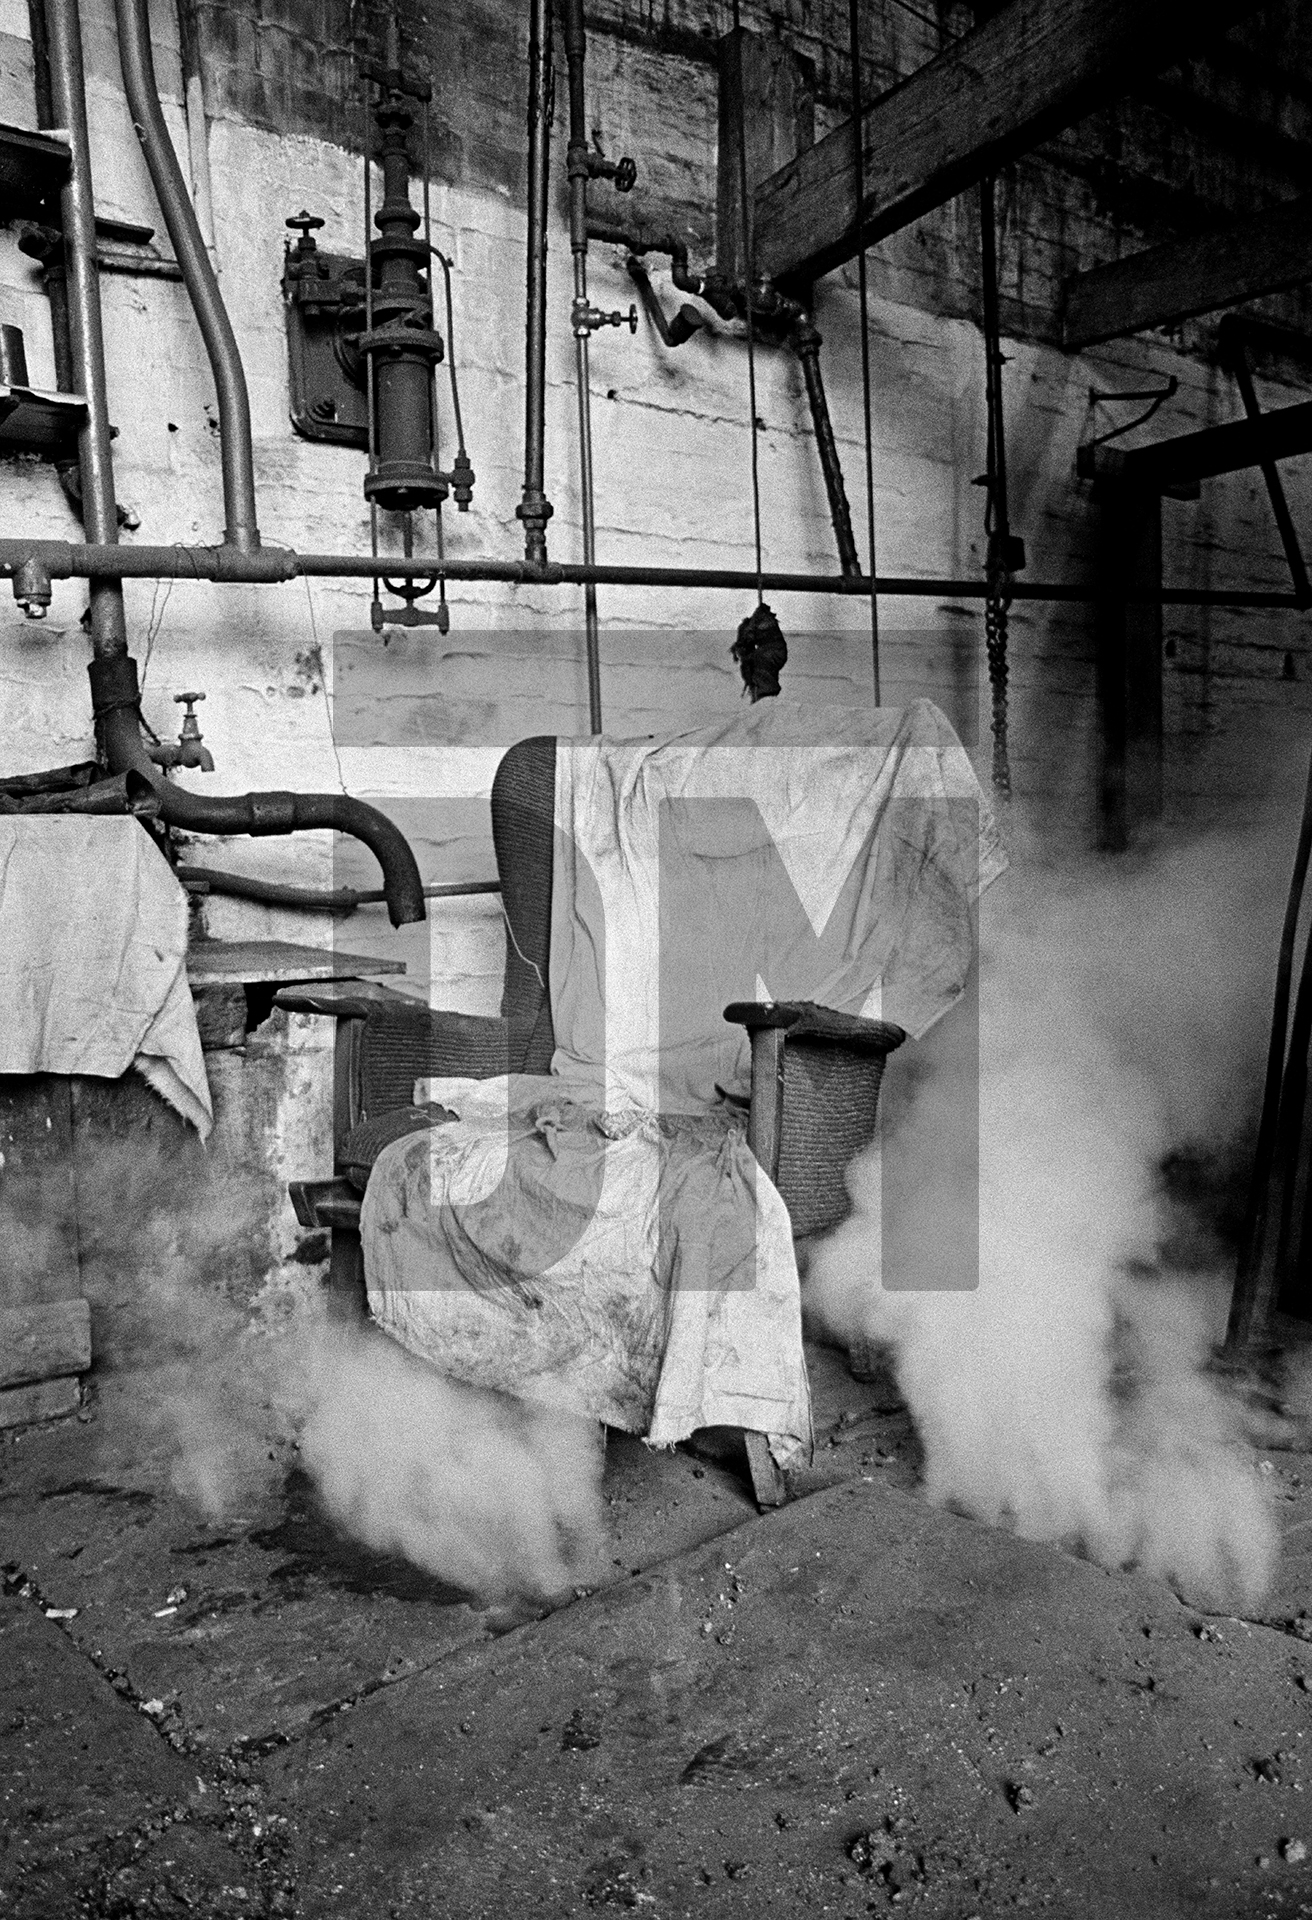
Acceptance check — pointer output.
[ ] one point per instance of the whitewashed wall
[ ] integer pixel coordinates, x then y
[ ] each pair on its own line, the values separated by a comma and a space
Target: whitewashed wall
420, 722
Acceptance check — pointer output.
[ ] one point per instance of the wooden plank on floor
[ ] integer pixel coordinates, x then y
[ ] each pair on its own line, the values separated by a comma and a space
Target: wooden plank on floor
40, 1342
44, 1400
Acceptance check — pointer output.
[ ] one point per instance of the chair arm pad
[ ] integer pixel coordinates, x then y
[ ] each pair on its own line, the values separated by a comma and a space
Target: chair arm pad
805, 1020
325, 1203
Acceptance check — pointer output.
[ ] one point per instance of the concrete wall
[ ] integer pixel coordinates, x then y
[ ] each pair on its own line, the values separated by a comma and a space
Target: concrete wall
301, 693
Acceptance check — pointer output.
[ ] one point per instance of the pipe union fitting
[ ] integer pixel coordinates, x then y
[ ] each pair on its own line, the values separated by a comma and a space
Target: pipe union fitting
32, 588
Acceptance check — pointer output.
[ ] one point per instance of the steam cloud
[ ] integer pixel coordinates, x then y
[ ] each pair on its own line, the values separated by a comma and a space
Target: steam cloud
487, 1494
1122, 1025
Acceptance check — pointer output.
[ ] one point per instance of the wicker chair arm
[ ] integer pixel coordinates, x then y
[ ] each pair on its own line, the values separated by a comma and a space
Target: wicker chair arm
805, 1020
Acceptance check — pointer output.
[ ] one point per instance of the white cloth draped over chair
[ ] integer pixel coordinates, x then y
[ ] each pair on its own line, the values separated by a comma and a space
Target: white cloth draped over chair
601, 1238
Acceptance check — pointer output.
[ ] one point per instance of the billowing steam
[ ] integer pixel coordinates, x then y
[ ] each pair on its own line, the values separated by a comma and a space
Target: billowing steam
1121, 1027
487, 1494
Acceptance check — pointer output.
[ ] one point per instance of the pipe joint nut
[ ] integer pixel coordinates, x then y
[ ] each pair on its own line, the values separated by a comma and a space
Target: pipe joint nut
32, 588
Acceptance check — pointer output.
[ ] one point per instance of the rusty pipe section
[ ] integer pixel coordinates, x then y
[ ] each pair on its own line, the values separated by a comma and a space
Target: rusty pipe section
769, 305
241, 527
115, 698
806, 343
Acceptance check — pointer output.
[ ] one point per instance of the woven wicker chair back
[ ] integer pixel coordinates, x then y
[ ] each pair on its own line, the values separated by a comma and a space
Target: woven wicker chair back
523, 833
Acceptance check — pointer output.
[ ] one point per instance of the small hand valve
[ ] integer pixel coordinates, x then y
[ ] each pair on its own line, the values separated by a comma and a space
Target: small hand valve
306, 224
586, 319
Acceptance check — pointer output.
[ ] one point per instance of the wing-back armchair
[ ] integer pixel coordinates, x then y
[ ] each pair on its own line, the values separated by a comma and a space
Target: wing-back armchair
815, 1073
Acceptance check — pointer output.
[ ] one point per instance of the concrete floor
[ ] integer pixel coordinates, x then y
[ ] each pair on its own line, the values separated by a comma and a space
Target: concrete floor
854, 1705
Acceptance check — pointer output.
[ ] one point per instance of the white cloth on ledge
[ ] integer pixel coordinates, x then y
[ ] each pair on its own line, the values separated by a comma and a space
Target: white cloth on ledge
93, 950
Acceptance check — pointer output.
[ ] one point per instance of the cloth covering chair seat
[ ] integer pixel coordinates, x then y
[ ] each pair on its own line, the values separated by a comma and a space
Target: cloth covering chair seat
680, 869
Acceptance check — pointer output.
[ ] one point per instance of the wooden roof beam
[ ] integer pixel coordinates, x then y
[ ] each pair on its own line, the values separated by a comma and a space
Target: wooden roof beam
1267, 253
1170, 465
1033, 68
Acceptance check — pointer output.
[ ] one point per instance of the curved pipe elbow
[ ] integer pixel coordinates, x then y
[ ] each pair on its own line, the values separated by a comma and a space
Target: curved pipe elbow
115, 698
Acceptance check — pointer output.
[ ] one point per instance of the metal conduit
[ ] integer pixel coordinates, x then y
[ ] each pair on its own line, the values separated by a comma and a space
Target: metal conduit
535, 509
273, 565
241, 528
577, 155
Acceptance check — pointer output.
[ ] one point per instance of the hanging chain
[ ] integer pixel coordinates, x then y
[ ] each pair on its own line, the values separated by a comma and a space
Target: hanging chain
995, 642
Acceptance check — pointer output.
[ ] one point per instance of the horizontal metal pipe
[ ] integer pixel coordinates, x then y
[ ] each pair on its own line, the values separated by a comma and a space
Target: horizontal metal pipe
278, 893
66, 561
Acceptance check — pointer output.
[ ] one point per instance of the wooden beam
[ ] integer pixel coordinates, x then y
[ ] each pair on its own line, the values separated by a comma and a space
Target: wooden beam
767, 102
1265, 254
1033, 68
1191, 457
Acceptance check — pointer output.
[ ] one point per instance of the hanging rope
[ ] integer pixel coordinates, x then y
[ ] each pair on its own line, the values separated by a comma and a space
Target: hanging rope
1004, 553
859, 173
749, 274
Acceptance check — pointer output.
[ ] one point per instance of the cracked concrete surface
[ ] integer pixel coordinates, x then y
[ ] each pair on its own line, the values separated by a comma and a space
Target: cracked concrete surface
855, 1705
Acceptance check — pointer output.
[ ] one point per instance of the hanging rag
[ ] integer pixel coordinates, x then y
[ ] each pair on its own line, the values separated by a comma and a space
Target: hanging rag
93, 947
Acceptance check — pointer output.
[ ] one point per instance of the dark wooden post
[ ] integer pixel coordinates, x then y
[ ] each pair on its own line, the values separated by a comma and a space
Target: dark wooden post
1128, 640
767, 94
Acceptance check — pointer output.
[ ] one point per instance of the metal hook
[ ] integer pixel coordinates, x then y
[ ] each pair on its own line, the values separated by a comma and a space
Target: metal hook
1155, 395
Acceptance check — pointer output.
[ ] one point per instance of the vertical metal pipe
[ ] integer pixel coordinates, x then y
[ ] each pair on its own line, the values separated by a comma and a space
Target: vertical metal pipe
535, 509
577, 164
49, 252
241, 529
193, 95
77, 206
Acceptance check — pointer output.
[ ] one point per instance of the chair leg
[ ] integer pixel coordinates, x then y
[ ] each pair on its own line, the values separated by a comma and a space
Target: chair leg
768, 1482
347, 1295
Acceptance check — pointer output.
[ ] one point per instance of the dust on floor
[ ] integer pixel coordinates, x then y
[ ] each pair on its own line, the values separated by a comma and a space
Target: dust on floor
851, 1706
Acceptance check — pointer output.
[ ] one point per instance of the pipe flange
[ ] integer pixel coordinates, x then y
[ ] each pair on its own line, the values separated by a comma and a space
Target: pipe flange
404, 343
402, 485
397, 247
